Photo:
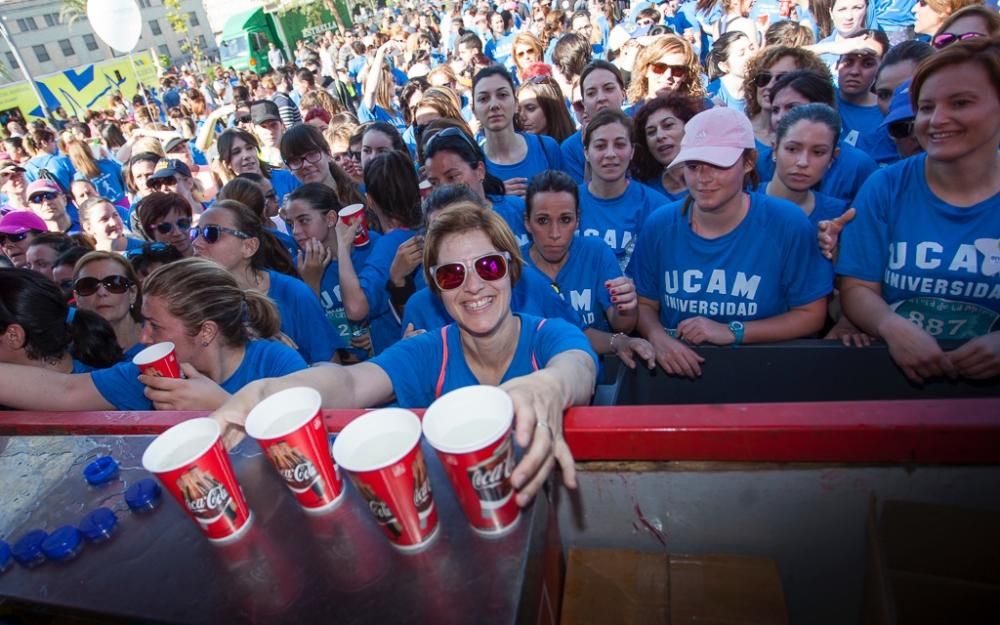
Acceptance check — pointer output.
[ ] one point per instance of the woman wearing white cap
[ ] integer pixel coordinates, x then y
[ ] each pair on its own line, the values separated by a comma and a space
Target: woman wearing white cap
725, 266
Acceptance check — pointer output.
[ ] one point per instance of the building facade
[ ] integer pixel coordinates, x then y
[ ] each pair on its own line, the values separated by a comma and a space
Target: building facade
47, 45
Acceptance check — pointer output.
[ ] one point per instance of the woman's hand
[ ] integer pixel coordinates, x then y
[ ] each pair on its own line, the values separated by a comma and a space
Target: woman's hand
538, 428
623, 295
516, 186
408, 257
916, 352
828, 233
846, 332
412, 331
313, 261
352, 168
628, 348
699, 330
196, 392
979, 359
675, 357
345, 235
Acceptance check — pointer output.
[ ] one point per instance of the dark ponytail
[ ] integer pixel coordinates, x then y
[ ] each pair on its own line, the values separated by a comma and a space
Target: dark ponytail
50, 326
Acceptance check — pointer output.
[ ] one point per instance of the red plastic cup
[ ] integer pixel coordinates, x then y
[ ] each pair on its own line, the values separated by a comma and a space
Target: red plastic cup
352, 214
191, 463
158, 360
470, 429
425, 188
381, 452
289, 427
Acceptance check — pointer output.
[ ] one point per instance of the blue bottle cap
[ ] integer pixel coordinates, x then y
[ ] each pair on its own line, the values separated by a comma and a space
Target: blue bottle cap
143, 495
98, 524
62, 544
4, 555
28, 550
102, 470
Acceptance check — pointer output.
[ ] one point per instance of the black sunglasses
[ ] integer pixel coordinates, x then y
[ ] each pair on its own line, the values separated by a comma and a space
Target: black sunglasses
946, 39
432, 143
900, 129
764, 78
244, 119
114, 284
14, 238
167, 227
212, 234
38, 197
156, 183
151, 248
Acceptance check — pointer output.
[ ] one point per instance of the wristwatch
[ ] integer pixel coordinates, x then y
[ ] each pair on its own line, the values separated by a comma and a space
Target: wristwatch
736, 327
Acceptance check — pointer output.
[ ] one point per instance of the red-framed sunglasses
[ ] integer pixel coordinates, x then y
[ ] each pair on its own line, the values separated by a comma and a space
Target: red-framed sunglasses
490, 267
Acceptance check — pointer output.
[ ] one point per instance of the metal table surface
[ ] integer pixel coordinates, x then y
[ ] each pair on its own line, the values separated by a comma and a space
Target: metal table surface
291, 567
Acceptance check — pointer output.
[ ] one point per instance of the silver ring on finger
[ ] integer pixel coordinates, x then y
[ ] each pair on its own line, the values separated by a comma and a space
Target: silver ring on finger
545, 426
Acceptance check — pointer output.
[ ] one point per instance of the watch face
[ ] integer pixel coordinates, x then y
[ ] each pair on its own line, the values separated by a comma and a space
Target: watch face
737, 325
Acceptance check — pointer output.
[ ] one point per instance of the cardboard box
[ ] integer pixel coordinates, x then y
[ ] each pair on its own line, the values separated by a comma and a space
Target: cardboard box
638, 588
929, 564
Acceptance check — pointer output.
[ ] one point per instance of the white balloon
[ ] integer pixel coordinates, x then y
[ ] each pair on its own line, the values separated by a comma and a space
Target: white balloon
117, 22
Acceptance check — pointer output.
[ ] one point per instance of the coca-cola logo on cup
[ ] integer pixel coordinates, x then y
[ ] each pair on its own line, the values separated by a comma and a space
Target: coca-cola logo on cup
205, 497
302, 473
491, 477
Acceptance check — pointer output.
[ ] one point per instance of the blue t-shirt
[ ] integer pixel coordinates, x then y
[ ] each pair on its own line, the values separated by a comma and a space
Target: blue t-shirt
414, 364
285, 240
844, 178
573, 160
718, 92
891, 15
511, 208
863, 129
825, 207
373, 276
617, 220
302, 318
543, 153
120, 385
501, 49
938, 264
59, 166
767, 265
329, 290
379, 114
109, 183
534, 294
284, 182
589, 265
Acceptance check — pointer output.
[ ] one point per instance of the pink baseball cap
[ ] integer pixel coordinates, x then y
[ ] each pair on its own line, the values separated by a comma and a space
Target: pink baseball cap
19, 222
717, 136
42, 186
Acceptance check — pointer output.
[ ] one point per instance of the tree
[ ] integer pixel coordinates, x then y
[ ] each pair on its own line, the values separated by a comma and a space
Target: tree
72, 11
178, 21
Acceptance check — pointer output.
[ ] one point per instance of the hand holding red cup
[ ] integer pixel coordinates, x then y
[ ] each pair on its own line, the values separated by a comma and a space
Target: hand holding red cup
159, 360
355, 213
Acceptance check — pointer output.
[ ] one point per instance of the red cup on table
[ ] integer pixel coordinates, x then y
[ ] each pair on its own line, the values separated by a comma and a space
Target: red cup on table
289, 428
425, 188
381, 452
353, 214
191, 463
159, 360
470, 429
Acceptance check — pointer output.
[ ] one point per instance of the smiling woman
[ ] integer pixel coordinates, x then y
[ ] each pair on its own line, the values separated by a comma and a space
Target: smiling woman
920, 262
471, 260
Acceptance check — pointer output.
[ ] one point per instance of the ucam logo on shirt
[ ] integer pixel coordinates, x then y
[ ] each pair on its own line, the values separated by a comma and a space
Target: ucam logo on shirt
582, 302
727, 286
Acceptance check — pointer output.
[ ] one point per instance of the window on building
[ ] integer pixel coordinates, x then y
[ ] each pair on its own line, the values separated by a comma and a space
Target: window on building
202, 44
193, 19
12, 60
144, 4
27, 23
154, 26
41, 53
90, 42
164, 50
51, 19
67, 47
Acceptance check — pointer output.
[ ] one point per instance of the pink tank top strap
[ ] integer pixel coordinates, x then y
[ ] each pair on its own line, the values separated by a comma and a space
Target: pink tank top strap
534, 361
444, 362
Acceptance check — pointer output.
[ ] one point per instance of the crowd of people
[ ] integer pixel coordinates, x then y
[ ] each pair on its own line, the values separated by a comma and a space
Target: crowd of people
542, 185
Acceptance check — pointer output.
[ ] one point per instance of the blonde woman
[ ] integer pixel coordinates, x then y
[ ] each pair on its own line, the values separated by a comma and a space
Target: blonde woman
668, 64
103, 173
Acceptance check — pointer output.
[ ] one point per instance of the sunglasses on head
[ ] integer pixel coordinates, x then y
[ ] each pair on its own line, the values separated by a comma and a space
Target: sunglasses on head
900, 129
446, 133
677, 71
39, 197
156, 183
13, 238
152, 248
490, 267
946, 39
114, 284
765, 78
212, 234
167, 227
